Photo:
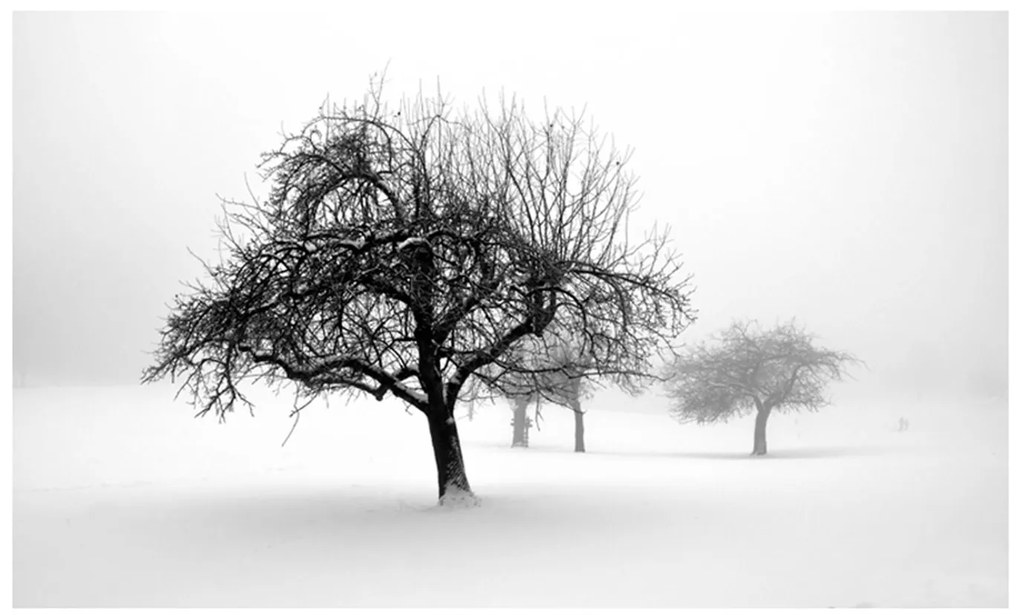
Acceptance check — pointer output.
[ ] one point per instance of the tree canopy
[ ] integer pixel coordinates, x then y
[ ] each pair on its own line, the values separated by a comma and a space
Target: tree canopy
403, 251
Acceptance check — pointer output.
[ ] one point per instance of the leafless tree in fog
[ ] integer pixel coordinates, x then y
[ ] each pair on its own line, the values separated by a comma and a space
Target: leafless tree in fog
556, 374
402, 250
749, 369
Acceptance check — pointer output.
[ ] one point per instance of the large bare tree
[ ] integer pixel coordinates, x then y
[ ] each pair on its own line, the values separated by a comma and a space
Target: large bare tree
746, 368
403, 249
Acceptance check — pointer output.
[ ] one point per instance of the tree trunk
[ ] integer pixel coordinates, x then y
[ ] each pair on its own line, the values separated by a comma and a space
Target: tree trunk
760, 421
578, 427
449, 460
520, 422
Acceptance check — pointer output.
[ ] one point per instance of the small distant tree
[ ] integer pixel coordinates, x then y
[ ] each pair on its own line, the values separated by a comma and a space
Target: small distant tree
559, 390
747, 369
556, 375
408, 251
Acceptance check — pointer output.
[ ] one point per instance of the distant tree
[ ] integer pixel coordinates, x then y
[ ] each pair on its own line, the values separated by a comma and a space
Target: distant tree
408, 251
560, 390
749, 369
557, 375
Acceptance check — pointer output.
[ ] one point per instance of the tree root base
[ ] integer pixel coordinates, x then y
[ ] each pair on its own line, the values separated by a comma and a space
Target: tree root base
459, 498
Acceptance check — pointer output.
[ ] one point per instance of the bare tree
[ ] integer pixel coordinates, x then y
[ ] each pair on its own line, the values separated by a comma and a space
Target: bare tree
750, 369
560, 391
556, 375
402, 250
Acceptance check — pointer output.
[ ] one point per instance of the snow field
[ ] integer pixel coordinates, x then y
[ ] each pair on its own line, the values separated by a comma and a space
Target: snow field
122, 499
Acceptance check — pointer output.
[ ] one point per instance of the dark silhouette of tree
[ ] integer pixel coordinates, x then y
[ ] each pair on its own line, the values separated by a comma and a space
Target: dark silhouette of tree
749, 369
408, 251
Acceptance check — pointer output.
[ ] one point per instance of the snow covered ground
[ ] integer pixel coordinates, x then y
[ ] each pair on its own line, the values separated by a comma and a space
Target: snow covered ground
122, 499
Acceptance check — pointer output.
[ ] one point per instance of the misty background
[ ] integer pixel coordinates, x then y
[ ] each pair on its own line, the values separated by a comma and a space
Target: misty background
847, 169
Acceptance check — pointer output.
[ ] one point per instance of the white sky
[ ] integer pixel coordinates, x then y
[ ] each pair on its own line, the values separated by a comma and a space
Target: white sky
849, 169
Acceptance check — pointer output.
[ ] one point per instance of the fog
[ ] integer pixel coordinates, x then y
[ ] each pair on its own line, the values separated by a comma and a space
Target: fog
846, 169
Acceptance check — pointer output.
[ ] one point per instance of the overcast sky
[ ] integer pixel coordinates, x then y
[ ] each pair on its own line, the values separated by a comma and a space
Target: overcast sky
848, 169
